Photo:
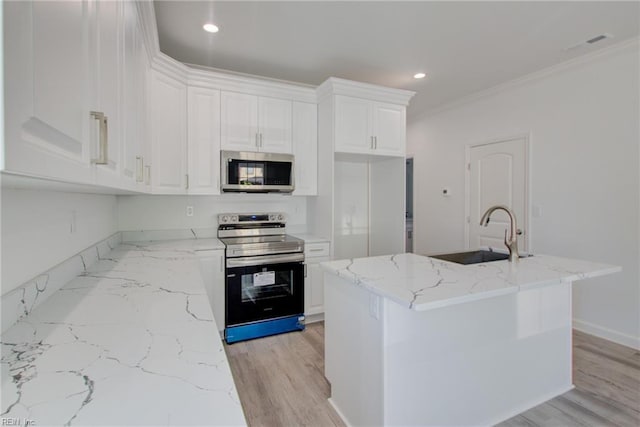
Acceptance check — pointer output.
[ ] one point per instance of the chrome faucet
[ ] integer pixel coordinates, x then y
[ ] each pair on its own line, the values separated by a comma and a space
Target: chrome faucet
512, 241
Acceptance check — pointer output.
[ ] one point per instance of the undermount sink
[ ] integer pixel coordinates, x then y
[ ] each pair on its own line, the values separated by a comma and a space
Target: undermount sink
472, 257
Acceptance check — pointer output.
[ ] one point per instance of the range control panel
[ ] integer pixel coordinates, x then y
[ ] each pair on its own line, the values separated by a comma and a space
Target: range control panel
261, 218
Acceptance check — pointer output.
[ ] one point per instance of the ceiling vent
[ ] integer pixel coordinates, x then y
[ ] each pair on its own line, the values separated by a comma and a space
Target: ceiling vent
591, 41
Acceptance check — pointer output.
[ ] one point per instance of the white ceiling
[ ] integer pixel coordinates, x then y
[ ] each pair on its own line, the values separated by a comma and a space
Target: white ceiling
464, 47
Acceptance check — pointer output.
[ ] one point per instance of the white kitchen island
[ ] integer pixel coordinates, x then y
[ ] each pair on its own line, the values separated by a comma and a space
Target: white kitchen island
412, 340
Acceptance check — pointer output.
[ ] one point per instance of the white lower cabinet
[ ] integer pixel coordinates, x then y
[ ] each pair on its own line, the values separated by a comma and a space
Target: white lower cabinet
315, 253
212, 269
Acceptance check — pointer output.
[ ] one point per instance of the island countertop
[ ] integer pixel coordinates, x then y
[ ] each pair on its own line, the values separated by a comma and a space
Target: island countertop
423, 283
132, 341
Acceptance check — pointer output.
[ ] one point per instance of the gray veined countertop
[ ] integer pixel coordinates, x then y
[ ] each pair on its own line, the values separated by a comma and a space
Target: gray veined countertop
423, 283
132, 341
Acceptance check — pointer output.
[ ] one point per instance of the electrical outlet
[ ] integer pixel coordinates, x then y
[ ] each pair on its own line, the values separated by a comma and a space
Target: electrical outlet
189, 210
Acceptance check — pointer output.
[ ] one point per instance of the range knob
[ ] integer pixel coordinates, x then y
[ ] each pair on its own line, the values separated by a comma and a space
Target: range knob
234, 218
280, 217
225, 218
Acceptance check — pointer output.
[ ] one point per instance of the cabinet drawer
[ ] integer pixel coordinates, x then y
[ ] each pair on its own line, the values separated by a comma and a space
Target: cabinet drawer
316, 249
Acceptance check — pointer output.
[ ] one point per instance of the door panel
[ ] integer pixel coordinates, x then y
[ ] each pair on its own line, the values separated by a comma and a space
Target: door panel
239, 121
497, 176
389, 128
274, 125
353, 125
169, 135
204, 141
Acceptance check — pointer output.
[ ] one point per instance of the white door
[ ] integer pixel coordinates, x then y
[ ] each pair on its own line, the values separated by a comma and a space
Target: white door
204, 140
274, 125
314, 286
389, 127
353, 125
305, 148
239, 121
169, 135
497, 175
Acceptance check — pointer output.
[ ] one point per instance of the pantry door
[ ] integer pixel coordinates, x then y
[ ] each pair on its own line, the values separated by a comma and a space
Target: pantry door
497, 175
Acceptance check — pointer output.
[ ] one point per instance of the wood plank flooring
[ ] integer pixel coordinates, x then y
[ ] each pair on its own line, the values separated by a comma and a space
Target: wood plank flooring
281, 383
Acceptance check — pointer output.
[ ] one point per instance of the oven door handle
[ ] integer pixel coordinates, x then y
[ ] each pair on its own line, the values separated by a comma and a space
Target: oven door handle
263, 260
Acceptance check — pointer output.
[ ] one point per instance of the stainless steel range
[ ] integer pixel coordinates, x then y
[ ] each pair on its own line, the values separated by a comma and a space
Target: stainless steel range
264, 290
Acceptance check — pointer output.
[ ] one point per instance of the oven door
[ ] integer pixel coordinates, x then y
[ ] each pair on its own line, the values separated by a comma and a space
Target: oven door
264, 287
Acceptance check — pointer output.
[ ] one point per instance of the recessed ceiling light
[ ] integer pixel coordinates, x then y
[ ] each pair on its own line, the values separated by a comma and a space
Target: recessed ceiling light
419, 76
210, 28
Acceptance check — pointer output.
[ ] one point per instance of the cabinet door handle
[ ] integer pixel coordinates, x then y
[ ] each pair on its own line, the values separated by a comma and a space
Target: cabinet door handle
139, 169
316, 250
222, 264
375, 142
103, 149
186, 180
257, 143
147, 178
261, 140
371, 142
305, 270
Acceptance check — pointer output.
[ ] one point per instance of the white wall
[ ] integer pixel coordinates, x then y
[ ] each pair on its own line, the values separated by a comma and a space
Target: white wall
169, 212
583, 119
36, 230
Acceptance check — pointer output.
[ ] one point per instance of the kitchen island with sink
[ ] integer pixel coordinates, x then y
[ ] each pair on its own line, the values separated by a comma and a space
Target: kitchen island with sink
414, 340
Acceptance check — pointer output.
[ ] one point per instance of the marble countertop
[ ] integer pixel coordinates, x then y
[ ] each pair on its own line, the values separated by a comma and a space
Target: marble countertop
423, 283
310, 238
131, 341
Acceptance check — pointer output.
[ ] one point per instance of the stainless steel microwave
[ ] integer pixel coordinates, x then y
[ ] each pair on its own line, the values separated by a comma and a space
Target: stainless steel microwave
249, 172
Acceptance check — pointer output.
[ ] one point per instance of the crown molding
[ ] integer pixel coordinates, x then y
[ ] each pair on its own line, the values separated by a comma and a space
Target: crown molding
170, 67
236, 82
337, 86
633, 43
147, 17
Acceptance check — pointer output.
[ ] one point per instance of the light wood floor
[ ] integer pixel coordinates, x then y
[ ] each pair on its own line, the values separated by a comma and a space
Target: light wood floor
281, 383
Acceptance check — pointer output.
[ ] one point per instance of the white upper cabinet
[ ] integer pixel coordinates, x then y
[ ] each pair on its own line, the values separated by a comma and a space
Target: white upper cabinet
353, 125
252, 123
369, 127
389, 128
47, 91
135, 70
106, 37
305, 148
274, 125
239, 121
75, 73
168, 135
204, 141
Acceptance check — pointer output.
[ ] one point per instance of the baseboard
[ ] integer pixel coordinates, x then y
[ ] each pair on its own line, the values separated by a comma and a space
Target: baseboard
339, 412
607, 334
531, 404
313, 318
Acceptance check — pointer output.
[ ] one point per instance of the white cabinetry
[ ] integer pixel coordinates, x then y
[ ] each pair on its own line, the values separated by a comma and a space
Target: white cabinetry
305, 148
135, 96
204, 140
369, 127
47, 95
255, 123
107, 23
66, 74
212, 269
168, 134
314, 254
